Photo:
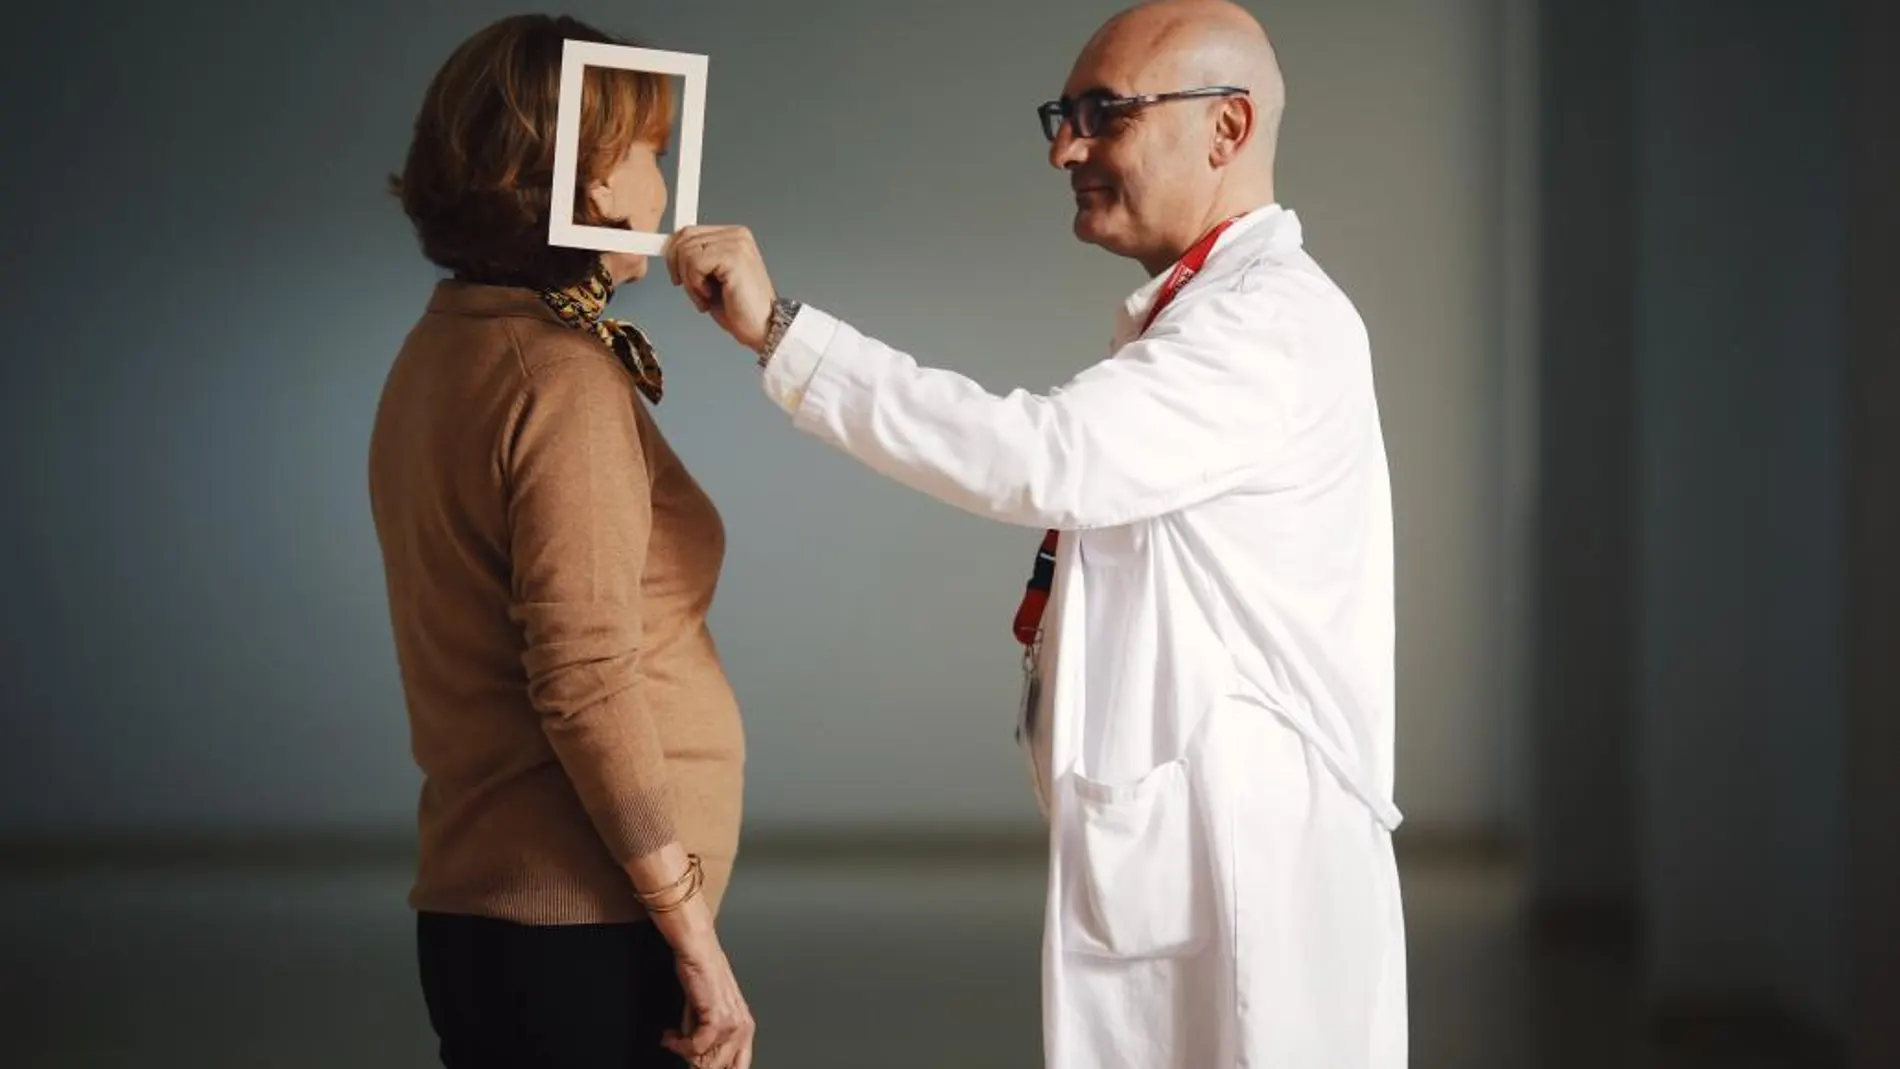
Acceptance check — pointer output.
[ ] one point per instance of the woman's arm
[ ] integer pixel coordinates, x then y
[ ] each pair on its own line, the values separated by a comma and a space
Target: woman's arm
579, 515
580, 511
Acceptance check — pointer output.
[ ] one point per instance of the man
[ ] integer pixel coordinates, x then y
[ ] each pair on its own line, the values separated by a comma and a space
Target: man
1213, 745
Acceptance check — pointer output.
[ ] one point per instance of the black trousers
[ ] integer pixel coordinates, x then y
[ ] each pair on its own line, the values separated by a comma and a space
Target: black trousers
512, 996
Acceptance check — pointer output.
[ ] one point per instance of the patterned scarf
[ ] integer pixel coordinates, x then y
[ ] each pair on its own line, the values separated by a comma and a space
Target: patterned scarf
581, 306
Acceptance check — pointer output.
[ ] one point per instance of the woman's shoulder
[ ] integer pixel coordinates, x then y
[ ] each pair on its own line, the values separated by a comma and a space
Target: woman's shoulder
563, 370
556, 353
514, 322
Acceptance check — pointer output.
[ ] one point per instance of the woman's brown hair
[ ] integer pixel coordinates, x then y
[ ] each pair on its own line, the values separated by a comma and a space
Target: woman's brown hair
480, 168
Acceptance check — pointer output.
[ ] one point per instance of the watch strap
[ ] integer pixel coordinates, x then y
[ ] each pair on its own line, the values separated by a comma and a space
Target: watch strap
784, 310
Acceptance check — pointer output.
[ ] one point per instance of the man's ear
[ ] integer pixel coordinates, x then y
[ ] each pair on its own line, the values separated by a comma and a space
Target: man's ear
1233, 129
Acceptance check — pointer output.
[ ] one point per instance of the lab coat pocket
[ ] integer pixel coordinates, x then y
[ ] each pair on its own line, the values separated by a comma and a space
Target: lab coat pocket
1135, 875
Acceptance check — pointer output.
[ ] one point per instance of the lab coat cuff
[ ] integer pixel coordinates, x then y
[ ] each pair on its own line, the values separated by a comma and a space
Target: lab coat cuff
789, 372
841, 386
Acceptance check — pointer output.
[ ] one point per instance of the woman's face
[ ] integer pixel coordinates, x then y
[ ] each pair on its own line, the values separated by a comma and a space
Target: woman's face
634, 193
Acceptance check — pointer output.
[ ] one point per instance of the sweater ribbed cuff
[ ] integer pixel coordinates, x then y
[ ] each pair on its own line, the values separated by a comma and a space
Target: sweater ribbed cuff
639, 823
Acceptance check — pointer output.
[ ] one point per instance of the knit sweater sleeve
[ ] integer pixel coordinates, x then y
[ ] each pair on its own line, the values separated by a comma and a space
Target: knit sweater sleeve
579, 515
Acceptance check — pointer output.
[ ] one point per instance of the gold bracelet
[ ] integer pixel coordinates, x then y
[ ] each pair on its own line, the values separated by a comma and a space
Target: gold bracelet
692, 891
691, 875
692, 861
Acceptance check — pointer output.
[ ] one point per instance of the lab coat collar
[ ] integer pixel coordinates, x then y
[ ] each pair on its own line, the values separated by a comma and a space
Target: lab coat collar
1267, 227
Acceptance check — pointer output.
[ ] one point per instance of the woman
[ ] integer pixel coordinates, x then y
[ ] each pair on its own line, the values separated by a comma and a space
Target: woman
550, 564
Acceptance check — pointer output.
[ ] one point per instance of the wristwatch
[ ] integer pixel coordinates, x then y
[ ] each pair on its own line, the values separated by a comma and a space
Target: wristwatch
784, 310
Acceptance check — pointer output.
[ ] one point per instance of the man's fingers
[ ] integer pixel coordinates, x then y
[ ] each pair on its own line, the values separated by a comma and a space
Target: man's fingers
679, 247
669, 253
693, 273
720, 268
705, 265
706, 287
676, 247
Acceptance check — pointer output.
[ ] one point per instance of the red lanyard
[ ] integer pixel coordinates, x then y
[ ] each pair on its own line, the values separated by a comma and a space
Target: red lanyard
1036, 594
1188, 266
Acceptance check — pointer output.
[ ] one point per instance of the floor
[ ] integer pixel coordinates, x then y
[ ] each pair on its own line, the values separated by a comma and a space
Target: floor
846, 965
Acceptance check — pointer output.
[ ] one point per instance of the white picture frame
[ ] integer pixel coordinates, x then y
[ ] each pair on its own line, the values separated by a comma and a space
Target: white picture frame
576, 56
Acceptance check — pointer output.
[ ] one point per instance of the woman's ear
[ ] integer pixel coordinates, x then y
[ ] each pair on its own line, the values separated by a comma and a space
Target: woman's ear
601, 197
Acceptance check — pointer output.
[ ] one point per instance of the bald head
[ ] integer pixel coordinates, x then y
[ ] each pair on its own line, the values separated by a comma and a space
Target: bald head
1151, 176
1165, 45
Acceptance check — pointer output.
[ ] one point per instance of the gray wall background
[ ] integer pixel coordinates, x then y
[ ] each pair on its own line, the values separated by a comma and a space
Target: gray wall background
1739, 394
206, 281
1693, 720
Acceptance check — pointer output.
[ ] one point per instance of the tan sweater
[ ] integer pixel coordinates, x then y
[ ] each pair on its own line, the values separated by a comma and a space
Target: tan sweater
549, 565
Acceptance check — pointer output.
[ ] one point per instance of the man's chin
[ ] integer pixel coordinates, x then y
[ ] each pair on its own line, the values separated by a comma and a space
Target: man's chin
1092, 227
1089, 226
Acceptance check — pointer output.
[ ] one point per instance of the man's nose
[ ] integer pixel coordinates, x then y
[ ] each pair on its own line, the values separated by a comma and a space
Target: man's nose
1066, 150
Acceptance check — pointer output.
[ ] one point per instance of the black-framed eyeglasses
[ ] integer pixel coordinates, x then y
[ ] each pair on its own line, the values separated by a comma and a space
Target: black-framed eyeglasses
1087, 112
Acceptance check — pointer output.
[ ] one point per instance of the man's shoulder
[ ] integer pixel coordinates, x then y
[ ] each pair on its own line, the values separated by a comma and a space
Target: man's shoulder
1286, 286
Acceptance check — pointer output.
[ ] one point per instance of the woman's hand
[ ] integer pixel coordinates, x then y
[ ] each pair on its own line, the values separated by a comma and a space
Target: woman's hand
717, 1029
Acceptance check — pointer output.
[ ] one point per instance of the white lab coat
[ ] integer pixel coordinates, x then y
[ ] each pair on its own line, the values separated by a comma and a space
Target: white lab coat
1214, 746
